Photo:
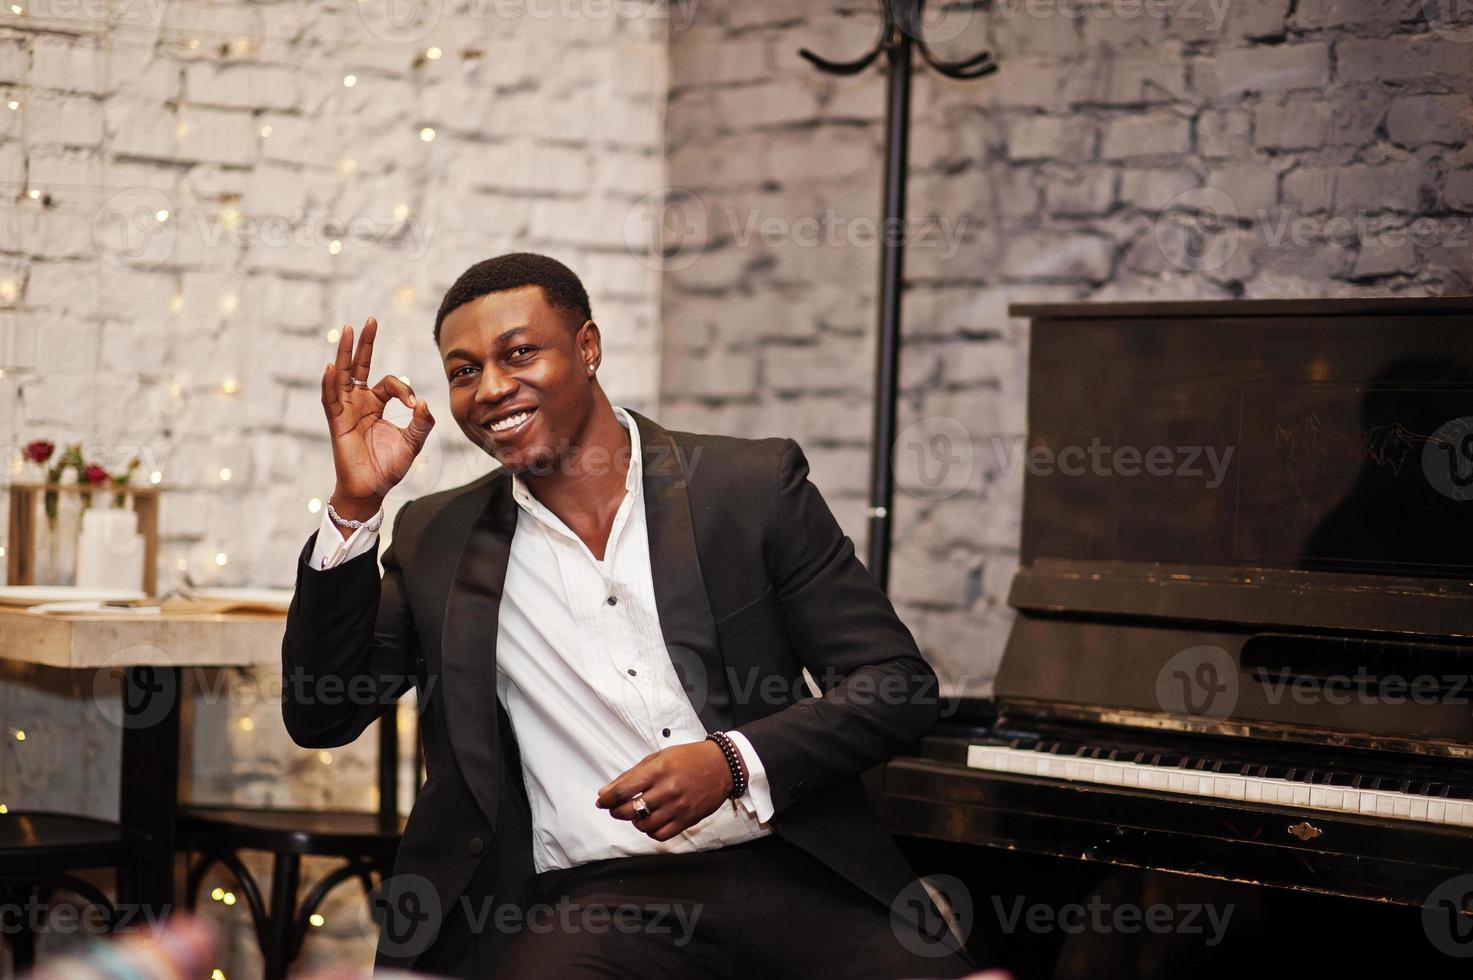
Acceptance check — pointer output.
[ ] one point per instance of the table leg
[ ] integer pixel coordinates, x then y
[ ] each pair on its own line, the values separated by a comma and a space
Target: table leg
150, 776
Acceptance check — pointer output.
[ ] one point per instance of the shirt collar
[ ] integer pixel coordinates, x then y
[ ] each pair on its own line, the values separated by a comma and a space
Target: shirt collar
632, 482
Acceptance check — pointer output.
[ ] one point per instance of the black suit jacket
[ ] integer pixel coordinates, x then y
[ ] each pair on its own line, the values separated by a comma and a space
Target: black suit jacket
754, 581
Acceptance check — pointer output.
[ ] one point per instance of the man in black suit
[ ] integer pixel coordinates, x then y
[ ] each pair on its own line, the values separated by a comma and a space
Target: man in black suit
626, 773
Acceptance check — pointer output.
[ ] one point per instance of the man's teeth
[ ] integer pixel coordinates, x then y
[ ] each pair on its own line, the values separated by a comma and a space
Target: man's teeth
510, 422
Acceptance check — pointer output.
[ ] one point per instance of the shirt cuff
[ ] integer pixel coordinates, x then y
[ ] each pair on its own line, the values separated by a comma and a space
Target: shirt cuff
332, 550
758, 797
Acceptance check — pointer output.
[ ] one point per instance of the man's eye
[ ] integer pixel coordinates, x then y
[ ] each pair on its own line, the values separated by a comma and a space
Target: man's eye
456, 373
516, 352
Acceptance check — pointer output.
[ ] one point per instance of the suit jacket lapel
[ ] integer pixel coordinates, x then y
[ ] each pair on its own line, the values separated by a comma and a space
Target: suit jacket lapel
686, 620
472, 611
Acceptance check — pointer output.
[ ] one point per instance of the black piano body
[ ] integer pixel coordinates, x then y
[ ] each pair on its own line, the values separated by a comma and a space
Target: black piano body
1243, 644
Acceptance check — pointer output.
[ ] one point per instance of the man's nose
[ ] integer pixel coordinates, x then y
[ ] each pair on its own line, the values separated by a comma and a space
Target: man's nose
495, 385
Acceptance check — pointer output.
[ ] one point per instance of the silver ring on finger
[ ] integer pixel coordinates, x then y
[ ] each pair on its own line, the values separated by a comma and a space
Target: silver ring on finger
641, 808
358, 384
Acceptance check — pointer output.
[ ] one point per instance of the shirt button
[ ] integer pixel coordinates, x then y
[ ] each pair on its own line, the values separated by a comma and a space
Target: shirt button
633, 672
475, 846
665, 732
613, 601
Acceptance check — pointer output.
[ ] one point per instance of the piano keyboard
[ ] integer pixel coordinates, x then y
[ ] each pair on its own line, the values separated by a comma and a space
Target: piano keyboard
1336, 792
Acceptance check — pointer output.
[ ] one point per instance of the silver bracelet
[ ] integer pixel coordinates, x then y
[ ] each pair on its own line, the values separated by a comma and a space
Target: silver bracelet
372, 523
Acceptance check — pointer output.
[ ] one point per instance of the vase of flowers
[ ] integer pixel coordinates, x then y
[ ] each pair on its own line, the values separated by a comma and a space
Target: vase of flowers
56, 551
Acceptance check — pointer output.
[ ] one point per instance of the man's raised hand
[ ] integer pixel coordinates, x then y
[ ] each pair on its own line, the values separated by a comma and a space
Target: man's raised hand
371, 455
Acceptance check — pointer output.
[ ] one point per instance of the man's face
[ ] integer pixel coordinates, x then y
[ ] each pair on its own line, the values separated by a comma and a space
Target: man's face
510, 353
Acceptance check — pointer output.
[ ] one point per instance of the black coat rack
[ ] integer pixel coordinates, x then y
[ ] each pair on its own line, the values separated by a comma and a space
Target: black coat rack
899, 33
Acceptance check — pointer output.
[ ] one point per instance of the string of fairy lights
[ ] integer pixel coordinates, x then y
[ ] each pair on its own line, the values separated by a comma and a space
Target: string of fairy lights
229, 215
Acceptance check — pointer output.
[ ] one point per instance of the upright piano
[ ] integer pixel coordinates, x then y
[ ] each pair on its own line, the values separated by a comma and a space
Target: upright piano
1243, 636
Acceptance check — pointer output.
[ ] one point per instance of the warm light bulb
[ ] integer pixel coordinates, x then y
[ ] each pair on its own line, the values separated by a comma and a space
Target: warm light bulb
220, 558
325, 757
401, 211
230, 386
155, 478
265, 132
333, 335
314, 505
316, 919
176, 304
224, 473
182, 564
13, 104
247, 724
427, 135
349, 81
218, 893
9, 290
334, 247
161, 215
20, 736
433, 53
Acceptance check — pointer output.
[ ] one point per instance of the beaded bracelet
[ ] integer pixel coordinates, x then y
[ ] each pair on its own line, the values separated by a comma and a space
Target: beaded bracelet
372, 523
733, 760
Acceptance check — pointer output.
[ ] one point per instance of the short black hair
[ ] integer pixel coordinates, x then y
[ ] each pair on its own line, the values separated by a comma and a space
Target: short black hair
513, 270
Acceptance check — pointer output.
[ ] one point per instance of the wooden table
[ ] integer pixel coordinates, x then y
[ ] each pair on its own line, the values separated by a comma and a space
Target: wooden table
151, 653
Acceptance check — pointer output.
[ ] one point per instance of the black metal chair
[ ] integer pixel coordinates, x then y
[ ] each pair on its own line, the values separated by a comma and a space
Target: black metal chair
365, 842
39, 855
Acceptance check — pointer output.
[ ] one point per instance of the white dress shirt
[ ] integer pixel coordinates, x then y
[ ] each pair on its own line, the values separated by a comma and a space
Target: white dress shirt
588, 685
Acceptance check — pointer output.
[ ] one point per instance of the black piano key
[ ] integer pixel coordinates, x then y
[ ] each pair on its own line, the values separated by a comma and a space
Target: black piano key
1274, 771
1459, 792
1341, 778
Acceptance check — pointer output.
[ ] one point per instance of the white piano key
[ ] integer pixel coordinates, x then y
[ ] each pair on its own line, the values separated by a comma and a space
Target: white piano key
1319, 796
1437, 810
1255, 791
1301, 794
1419, 809
1402, 805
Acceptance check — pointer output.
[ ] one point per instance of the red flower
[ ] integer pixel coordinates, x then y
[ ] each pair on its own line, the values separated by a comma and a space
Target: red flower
96, 475
40, 450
